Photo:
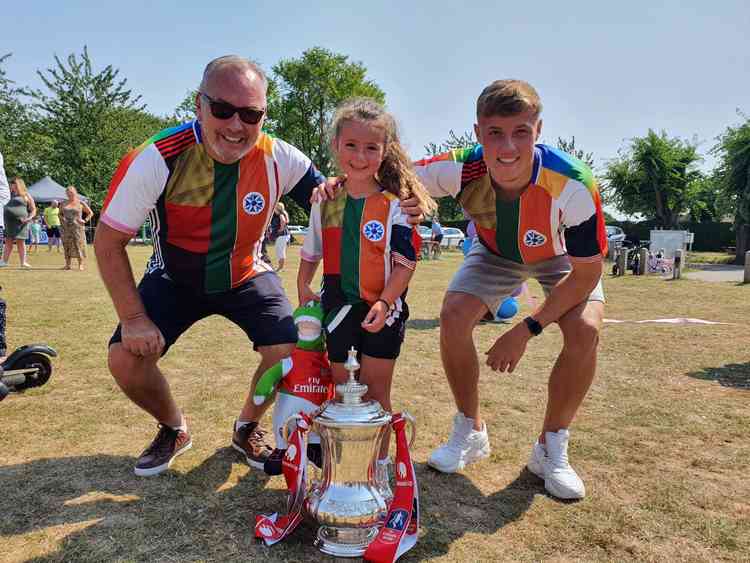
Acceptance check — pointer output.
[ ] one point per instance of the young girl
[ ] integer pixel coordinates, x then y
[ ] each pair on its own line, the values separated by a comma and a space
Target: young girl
366, 245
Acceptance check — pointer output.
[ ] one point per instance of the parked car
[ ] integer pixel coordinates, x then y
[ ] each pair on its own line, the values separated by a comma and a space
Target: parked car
296, 234
615, 235
452, 237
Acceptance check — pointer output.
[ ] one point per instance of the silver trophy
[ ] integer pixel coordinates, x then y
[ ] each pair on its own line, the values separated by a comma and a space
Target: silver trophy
346, 501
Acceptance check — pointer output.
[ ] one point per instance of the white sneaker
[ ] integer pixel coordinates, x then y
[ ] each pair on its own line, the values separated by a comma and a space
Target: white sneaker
551, 464
465, 446
3, 263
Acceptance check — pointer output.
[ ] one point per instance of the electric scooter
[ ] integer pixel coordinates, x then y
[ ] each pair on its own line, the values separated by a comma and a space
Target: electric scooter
29, 366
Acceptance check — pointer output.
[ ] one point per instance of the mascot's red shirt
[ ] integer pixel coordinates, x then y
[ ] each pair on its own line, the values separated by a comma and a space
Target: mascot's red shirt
309, 378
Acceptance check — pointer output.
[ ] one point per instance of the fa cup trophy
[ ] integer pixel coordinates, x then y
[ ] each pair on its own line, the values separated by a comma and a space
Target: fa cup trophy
350, 506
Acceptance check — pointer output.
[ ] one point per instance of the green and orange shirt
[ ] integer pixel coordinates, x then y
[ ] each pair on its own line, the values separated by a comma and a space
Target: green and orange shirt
359, 240
208, 219
559, 213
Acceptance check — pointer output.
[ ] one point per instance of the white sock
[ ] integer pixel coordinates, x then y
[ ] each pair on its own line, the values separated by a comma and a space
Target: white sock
240, 423
182, 426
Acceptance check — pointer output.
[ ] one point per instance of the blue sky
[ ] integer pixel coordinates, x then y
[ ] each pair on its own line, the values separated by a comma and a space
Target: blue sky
605, 72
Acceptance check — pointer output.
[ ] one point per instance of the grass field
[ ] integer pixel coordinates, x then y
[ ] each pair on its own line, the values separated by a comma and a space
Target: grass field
661, 441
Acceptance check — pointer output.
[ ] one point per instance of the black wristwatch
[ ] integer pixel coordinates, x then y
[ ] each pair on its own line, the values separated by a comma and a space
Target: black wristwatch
535, 327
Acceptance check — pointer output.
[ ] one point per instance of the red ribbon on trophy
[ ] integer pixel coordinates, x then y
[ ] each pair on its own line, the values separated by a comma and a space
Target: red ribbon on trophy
401, 527
272, 528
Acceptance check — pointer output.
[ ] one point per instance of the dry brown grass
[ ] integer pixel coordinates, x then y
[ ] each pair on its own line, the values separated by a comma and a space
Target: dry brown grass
661, 441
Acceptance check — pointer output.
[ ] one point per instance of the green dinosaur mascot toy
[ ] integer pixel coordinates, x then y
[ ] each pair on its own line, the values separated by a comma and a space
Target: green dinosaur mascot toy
303, 381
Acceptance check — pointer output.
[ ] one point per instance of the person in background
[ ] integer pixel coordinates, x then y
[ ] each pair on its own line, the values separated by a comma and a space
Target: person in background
75, 214
279, 224
437, 236
36, 233
17, 214
4, 198
52, 219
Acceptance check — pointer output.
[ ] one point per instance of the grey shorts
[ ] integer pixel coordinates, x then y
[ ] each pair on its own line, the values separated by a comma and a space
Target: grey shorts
492, 279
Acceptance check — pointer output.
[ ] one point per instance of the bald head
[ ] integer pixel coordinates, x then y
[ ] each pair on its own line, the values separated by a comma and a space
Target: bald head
234, 63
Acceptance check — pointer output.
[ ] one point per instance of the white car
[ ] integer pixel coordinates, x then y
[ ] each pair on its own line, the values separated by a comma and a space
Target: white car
452, 237
296, 233
615, 235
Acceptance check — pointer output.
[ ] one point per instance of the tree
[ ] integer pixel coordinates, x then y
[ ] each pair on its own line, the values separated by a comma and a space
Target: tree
569, 146
655, 176
186, 110
733, 149
448, 208
22, 141
93, 119
309, 90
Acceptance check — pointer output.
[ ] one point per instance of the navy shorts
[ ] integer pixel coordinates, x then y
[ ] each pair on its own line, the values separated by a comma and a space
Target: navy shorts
53, 232
385, 344
259, 307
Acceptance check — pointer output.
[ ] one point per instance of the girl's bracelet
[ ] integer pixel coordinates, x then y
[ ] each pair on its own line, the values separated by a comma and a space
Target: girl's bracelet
387, 305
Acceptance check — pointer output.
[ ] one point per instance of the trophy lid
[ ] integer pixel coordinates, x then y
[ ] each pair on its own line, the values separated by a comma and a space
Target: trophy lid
349, 408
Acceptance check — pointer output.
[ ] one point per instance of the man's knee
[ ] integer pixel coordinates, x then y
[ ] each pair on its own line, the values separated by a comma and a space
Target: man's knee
460, 313
581, 331
127, 367
275, 352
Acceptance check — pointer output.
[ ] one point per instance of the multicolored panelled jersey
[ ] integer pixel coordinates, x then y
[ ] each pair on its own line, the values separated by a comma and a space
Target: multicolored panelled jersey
559, 213
359, 240
207, 218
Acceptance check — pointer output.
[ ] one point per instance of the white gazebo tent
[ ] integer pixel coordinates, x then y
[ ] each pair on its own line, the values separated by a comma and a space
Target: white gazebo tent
47, 190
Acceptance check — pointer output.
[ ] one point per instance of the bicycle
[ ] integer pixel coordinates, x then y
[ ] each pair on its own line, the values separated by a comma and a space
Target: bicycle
656, 263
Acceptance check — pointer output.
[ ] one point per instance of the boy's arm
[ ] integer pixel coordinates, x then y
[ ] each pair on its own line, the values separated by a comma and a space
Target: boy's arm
305, 275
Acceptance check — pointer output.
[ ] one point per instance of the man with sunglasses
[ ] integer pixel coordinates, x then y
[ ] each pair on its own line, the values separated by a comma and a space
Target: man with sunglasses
209, 188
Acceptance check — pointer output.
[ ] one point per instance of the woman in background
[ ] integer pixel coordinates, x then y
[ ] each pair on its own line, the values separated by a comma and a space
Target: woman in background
75, 214
18, 213
52, 219
279, 223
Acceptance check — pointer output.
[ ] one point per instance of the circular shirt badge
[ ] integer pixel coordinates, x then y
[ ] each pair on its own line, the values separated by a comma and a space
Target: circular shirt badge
373, 230
534, 238
253, 203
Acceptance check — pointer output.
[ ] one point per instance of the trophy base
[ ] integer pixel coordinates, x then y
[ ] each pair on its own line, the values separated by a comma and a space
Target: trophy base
345, 542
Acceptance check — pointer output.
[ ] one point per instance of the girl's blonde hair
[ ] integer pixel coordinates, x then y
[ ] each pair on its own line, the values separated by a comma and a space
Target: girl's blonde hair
396, 173
21, 187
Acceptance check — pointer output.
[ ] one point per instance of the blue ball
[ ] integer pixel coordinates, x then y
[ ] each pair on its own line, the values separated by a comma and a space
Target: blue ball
507, 310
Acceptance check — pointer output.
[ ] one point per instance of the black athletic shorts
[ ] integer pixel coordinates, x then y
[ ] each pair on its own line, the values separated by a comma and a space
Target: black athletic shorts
259, 307
385, 344
53, 231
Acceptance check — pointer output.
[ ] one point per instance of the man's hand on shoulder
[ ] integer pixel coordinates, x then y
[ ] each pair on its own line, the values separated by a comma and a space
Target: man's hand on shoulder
141, 337
328, 189
413, 210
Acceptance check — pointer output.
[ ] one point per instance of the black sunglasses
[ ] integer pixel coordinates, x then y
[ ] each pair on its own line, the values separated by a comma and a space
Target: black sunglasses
223, 110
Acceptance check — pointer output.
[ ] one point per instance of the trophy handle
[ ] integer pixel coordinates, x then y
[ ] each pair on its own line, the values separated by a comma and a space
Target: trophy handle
413, 423
285, 426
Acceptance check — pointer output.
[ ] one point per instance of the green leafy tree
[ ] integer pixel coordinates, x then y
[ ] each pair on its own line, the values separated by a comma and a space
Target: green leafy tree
303, 96
448, 208
733, 150
569, 146
655, 176
309, 90
186, 110
22, 140
93, 119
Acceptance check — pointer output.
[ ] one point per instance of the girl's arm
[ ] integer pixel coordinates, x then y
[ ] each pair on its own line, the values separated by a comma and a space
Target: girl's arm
305, 276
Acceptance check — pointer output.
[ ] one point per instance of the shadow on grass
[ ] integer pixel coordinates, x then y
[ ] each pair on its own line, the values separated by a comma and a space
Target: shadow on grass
730, 375
110, 514
423, 324
104, 512
452, 505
